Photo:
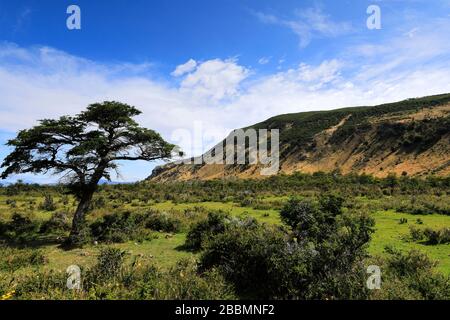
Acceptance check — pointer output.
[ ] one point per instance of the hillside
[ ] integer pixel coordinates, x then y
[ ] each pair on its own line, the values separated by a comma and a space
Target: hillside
409, 137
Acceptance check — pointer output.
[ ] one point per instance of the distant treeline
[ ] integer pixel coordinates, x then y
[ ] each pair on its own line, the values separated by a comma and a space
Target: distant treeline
220, 189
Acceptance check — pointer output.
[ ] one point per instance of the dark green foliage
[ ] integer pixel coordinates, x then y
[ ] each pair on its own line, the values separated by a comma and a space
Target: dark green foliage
113, 277
421, 207
59, 223
322, 259
184, 282
434, 237
259, 262
161, 221
11, 203
408, 264
203, 231
20, 229
313, 222
81, 238
125, 226
410, 275
298, 212
430, 236
118, 227
416, 234
12, 260
110, 264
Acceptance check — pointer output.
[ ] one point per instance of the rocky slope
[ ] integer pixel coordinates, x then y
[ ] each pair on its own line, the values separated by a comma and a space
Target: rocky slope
410, 137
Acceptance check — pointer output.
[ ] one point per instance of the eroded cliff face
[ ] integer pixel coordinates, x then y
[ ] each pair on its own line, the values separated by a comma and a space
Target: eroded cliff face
410, 137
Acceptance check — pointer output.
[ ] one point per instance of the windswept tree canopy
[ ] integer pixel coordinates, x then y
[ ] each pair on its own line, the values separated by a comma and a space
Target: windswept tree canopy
86, 147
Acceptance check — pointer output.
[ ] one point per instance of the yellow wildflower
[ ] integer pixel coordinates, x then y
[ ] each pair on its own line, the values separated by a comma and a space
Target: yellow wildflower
8, 295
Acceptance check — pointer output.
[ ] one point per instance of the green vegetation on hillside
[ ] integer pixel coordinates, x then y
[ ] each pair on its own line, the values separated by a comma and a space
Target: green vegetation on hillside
298, 129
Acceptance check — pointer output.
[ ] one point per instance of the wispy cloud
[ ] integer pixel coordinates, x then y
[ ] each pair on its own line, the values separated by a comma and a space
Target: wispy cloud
309, 24
184, 68
22, 18
264, 60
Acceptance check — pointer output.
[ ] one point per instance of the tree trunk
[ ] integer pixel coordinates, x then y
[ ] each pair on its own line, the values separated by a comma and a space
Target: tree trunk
78, 234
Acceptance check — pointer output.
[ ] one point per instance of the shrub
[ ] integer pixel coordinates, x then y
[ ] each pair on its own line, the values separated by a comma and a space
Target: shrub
322, 259
331, 203
267, 263
11, 203
183, 282
204, 230
408, 264
162, 222
119, 227
437, 236
58, 223
110, 264
416, 234
411, 275
48, 204
259, 262
20, 229
124, 226
297, 212
84, 236
14, 259
312, 223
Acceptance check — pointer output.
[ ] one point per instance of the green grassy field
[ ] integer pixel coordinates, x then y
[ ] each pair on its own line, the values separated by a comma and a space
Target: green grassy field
166, 248
389, 231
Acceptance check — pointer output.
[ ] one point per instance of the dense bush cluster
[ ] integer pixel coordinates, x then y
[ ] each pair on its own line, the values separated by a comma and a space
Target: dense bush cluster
411, 275
322, 258
430, 236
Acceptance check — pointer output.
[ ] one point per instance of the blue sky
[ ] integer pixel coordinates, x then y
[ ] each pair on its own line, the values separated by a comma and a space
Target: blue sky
212, 66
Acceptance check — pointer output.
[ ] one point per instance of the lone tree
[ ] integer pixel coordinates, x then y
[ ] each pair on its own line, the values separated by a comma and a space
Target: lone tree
85, 148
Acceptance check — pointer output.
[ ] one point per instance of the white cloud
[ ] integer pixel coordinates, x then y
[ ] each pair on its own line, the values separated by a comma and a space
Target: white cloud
215, 79
264, 60
185, 68
308, 24
42, 82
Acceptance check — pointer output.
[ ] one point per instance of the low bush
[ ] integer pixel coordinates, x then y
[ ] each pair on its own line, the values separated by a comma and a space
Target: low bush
434, 237
119, 227
48, 204
161, 221
430, 236
411, 275
14, 259
183, 282
59, 223
109, 266
204, 230
322, 258
19, 229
